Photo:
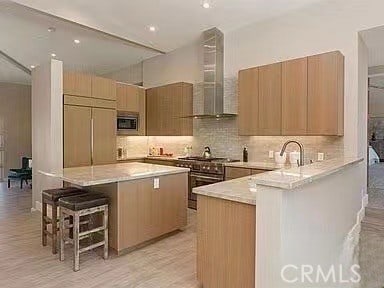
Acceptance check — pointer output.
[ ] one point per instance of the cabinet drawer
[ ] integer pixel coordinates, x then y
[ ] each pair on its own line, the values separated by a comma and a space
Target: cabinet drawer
234, 172
258, 171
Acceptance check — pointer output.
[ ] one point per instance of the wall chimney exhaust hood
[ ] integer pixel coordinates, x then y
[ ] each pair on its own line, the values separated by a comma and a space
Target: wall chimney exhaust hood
213, 72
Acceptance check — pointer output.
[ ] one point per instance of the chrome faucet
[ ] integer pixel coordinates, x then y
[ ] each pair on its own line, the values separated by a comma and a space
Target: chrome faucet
301, 162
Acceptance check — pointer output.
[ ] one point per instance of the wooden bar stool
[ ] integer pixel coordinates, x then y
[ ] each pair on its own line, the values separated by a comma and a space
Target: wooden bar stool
77, 207
51, 197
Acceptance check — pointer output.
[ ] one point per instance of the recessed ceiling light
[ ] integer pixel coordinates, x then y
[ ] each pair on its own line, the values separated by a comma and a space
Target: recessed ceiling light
206, 5
51, 29
53, 55
152, 28
77, 41
33, 66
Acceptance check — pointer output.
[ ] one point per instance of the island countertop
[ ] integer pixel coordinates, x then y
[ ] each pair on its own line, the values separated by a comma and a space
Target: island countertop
103, 174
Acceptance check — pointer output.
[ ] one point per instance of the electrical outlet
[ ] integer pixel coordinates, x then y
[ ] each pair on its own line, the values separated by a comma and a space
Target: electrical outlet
320, 156
271, 154
156, 183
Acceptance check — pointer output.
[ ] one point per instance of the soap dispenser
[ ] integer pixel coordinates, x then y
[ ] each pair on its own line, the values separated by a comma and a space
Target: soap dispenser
245, 154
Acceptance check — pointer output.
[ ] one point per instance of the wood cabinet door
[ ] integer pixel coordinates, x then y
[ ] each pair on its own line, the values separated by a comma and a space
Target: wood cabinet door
186, 124
294, 96
166, 107
103, 88
142, 112
270, 100
236, 172
77, 136
132, 94
77, 84
104, 136
248, 118
121, 98
153, 112
326, 94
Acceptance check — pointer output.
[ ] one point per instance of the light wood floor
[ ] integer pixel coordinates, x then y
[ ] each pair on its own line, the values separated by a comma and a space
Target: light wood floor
25, 263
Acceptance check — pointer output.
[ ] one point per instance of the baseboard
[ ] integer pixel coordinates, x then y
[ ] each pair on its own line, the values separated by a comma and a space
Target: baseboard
37, 207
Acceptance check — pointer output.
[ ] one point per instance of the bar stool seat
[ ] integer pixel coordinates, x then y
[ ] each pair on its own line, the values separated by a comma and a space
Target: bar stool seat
77, 207
51, 197
81, 202
56, 194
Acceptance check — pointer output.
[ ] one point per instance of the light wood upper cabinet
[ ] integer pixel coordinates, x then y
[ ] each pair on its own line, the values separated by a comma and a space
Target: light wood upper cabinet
298, 97
127, 97
104, 136
248, 101
103, 88
77, 84
294, 96
326, 94
77, 136
270, 99
166, 107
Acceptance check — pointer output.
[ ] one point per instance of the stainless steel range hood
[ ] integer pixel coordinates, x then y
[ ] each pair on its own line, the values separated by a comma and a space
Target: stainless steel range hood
213, 75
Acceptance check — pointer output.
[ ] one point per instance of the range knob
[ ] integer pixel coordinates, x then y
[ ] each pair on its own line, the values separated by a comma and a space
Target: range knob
216, 169
208, 168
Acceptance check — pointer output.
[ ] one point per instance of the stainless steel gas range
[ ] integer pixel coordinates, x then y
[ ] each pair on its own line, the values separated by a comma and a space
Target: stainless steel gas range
203, 171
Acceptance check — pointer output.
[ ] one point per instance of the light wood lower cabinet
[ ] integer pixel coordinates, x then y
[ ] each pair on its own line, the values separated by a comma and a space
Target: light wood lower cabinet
140, 213
237, 172
226, 241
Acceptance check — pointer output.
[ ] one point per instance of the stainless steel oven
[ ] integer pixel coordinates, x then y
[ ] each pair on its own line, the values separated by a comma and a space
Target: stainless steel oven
127, 123
200, 179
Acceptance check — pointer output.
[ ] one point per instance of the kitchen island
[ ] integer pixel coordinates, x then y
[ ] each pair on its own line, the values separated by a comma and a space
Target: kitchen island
146, 201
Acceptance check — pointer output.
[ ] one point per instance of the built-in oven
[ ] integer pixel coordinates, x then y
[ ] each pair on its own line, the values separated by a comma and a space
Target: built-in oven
200, 179
127, 123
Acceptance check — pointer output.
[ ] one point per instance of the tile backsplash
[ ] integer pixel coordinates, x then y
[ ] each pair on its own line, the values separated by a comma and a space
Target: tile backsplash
223, 139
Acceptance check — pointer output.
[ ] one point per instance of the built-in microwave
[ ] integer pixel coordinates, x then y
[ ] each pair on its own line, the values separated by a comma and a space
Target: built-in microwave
127, 123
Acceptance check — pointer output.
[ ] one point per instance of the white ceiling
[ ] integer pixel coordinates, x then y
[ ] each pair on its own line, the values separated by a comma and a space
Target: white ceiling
179, 21
374, 39
29, 42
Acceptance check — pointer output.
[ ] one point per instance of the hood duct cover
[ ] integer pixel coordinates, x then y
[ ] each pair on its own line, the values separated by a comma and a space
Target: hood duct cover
213, 75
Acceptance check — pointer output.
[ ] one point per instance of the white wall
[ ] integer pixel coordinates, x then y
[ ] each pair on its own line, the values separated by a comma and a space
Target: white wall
132, 74
15, 124
47, 128
181, 65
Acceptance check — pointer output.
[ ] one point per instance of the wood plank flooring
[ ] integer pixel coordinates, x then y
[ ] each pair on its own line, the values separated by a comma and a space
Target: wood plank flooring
24, 262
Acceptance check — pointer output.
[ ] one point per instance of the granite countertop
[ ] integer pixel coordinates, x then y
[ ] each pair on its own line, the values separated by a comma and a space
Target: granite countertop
103, 174
286, 178
258, 165
233, 190
298, 176
142, 157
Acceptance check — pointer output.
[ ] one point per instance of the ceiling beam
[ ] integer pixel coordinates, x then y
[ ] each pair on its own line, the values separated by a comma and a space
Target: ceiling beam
105, 34
15, 62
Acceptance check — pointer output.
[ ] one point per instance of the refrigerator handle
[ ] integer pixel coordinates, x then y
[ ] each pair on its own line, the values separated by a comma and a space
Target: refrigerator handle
92, 131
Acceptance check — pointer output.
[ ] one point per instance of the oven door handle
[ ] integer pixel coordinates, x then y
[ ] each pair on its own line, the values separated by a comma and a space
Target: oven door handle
205, 177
